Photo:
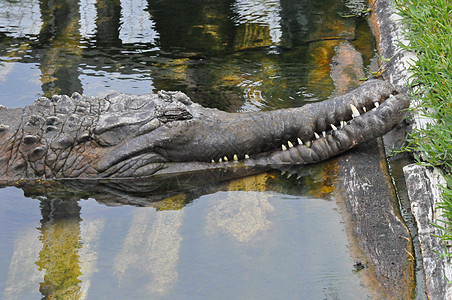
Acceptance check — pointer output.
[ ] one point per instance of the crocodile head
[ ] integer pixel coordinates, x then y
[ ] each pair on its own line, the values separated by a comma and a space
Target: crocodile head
126, 136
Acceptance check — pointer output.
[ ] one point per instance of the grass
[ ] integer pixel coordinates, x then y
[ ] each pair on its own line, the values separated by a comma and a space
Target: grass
429, 24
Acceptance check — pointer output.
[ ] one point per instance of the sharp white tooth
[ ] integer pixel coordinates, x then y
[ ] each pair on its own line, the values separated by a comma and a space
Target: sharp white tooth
289, 144
324, 133
284, 148
212, 161
333, 127
235, 157
220, 160
364, 109
225, 158
308, 144
300, 142
299, 176
283, 172
316, 135
343, 124
355, 112
288, 175
377, 104
247, 156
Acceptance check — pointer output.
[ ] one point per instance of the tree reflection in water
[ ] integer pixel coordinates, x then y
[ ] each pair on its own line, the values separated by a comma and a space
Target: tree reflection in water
61, 243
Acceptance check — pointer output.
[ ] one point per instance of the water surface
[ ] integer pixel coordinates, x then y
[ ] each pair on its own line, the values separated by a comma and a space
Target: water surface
262, 237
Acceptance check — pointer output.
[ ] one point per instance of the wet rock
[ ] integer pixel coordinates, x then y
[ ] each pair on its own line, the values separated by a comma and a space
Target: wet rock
373, 220
388, 32
422, 183
376, 231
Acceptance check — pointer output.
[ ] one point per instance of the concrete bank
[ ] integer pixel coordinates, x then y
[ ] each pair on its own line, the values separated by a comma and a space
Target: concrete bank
421, 182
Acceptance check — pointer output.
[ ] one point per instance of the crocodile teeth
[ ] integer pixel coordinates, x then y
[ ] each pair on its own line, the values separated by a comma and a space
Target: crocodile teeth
377, 105
355, 112
343, 124
212, 161
289, 144
225, 158
324, 133
364, 109
284, 148
308, 144
220, 160
288, 175
235, 157
316, 135
247, 156
300, 142
333, 127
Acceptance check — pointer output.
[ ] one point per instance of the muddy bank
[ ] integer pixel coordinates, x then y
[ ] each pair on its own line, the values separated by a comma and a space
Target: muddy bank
421, 182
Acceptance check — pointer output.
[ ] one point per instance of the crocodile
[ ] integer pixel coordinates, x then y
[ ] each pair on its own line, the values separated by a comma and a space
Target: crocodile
140, 136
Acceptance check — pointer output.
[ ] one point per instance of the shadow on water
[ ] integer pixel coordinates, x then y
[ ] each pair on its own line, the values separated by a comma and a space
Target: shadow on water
228, 234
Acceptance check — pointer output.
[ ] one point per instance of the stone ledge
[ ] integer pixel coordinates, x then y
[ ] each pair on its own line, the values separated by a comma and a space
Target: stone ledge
379, 240
422, 182
372, 218
422, 187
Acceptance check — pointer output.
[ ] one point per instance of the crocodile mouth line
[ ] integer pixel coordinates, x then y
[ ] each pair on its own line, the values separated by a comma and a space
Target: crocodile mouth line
327, 135
322, 144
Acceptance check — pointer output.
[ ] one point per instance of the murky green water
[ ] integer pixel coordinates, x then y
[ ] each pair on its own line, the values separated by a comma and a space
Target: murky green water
262, 237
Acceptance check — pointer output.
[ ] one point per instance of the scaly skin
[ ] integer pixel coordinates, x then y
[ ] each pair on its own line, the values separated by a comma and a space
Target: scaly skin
126, 136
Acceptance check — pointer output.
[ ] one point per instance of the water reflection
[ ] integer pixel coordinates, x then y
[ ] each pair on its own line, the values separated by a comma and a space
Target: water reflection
59, 256
167, 238
91, 231
244, 216
137, 26
22, 275
88, 16
60, 34
260, 20
150, 251
238, 230
199, 47
20, 19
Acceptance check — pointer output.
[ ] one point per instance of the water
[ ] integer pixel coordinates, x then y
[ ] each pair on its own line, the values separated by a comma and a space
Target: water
262, 237
226, 245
